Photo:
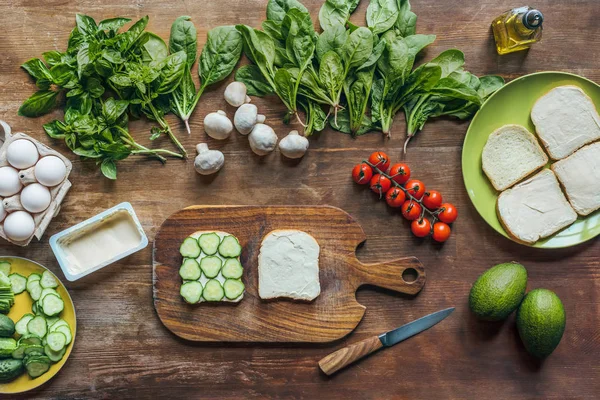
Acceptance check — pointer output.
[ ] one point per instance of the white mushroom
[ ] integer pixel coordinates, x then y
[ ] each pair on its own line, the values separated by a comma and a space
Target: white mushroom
217, 125
262, 139
235, 94
293, 145
208, 161
246, 117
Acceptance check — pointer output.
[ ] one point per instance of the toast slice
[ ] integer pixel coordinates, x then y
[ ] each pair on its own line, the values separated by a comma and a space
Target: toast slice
579, 174
535, 209
511, 154
288, 266
565, 119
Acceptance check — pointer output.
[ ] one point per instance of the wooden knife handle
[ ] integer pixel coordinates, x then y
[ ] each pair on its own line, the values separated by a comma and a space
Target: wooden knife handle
347, 355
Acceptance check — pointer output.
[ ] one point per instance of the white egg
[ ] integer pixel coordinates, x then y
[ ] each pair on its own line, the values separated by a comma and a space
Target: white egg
9, 181
2, 211
19, 226
22, 154
35, 198
50, 171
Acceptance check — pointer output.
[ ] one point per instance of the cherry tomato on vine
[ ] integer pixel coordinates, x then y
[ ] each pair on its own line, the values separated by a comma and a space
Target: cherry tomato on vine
395, 197
380, 160
415, 188
400, 173
448, 213
362, 174
432, 199
441, 232
421, 228
411, 210
380, 184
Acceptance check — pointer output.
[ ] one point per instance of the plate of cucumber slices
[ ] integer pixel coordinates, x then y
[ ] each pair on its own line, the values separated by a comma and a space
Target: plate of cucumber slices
37, 325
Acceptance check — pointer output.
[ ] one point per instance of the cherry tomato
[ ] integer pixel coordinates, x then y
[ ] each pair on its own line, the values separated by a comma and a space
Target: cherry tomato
411, 210
380, 184
448, 213
421, 228
416, 188
395, 197
432, 199
362, 174
441, 232
400, 173
380, 160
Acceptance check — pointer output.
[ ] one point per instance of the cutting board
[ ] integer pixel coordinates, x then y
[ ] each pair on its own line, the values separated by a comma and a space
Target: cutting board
332, 315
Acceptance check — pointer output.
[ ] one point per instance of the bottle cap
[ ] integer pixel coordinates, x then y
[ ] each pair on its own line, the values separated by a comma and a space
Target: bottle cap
533, 19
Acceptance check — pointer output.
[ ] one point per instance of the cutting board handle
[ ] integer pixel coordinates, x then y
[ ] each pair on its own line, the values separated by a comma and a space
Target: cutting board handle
389, 275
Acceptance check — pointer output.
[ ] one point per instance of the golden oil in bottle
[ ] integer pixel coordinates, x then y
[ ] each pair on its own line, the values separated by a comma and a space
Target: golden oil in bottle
517, 29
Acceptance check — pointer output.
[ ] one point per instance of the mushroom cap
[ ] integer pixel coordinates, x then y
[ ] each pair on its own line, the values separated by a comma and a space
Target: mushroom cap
209, 161
217, 125
293, 145
262, 139
245, 118
235, 94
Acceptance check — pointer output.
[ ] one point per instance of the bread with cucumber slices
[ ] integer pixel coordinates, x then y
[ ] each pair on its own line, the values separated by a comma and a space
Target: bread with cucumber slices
510, 154
211, 269
565, 119
288, 266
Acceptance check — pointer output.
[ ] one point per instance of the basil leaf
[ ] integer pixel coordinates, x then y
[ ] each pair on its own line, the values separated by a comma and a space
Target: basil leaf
86, 25
112, 109
109, 168
382, 15
55, 129
38, 70
52, 57
121, 80
62, 74
94, 87
112, 24
113, 56
172, 72
220, 54
40, 103
184, 37
276, 9
256, 84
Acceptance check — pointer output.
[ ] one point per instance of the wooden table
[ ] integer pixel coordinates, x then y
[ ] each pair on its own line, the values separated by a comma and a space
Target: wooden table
123, 351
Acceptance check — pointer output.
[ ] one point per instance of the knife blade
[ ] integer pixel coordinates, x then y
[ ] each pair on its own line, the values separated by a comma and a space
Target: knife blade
347, 355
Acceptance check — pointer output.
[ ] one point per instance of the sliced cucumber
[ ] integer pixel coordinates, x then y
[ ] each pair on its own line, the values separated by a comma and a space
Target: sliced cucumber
51, 321
56, 340
230, 247
211, 266
57, 324
65, 330
190, 248
18, 283
34, 277
190, 291
47, 291
19, 353
232, 269
35, 289
233, 288
48, 280
52, 305
209, 242
31, 349
190, 270
34, 308
213, 291
21, 325
54, 356
37, 326
30, 339
37, 366
5, 267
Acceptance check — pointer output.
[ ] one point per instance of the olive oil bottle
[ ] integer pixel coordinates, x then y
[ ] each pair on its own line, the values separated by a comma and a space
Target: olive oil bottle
517, 29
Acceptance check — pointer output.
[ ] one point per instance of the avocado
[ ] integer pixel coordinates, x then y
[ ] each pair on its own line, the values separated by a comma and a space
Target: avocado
498, 291
7, 326
541, 322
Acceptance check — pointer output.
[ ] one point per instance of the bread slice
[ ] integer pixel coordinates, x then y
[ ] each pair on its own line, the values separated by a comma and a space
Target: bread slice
565, 119
510, 154
579, 174
288, 266
535, 209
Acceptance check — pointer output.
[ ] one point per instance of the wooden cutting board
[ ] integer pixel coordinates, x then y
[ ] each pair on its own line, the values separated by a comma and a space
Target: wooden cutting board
332, 315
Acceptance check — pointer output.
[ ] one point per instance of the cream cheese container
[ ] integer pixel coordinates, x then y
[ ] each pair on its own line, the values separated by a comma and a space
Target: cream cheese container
99, 241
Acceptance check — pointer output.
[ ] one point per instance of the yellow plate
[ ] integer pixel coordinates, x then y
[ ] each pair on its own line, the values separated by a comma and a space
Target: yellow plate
23, 306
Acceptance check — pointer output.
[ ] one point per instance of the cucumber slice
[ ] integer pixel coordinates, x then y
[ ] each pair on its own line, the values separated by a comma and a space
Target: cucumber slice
19, 353
34, 277
5, 267
51, 321
191, 291
34, 308
31, 349
47, 291
37, 326
56, 340
232, 269
35, 289
18, 283
209, 242
54, 356
48, 280
190, 248
65, 330
230, 247
30, 339
37, 367
21, 325
213, 291
211, 266
233, 288
190, 270
57, 324
52, 305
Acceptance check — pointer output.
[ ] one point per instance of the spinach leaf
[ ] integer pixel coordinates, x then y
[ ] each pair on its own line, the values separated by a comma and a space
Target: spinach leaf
40, 103
277, 9
331, 73
357, 48
256, 84
284, 87
332, 39
335, 12
184, 37
407, 20
382, 15
153, 48
220, 54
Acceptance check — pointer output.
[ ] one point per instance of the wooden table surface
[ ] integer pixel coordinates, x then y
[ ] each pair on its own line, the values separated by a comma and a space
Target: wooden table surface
123, 351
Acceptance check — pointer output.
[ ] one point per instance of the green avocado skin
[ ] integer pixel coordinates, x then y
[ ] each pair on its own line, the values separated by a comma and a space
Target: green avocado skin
498, 291
541, 321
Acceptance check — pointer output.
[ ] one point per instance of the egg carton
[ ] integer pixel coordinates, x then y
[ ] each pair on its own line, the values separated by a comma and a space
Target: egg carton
27, 176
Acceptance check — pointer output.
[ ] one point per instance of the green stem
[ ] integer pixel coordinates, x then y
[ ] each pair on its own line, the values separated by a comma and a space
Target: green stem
127, 138
165, 125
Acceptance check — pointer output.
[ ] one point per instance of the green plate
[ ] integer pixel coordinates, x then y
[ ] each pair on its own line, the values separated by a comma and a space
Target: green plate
512, 105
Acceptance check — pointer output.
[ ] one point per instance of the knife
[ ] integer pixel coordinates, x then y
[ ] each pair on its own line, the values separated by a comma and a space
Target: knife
346, 356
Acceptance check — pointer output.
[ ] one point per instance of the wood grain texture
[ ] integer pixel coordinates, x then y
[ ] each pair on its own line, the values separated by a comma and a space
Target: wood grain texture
345, 356
122, 349
331, 316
